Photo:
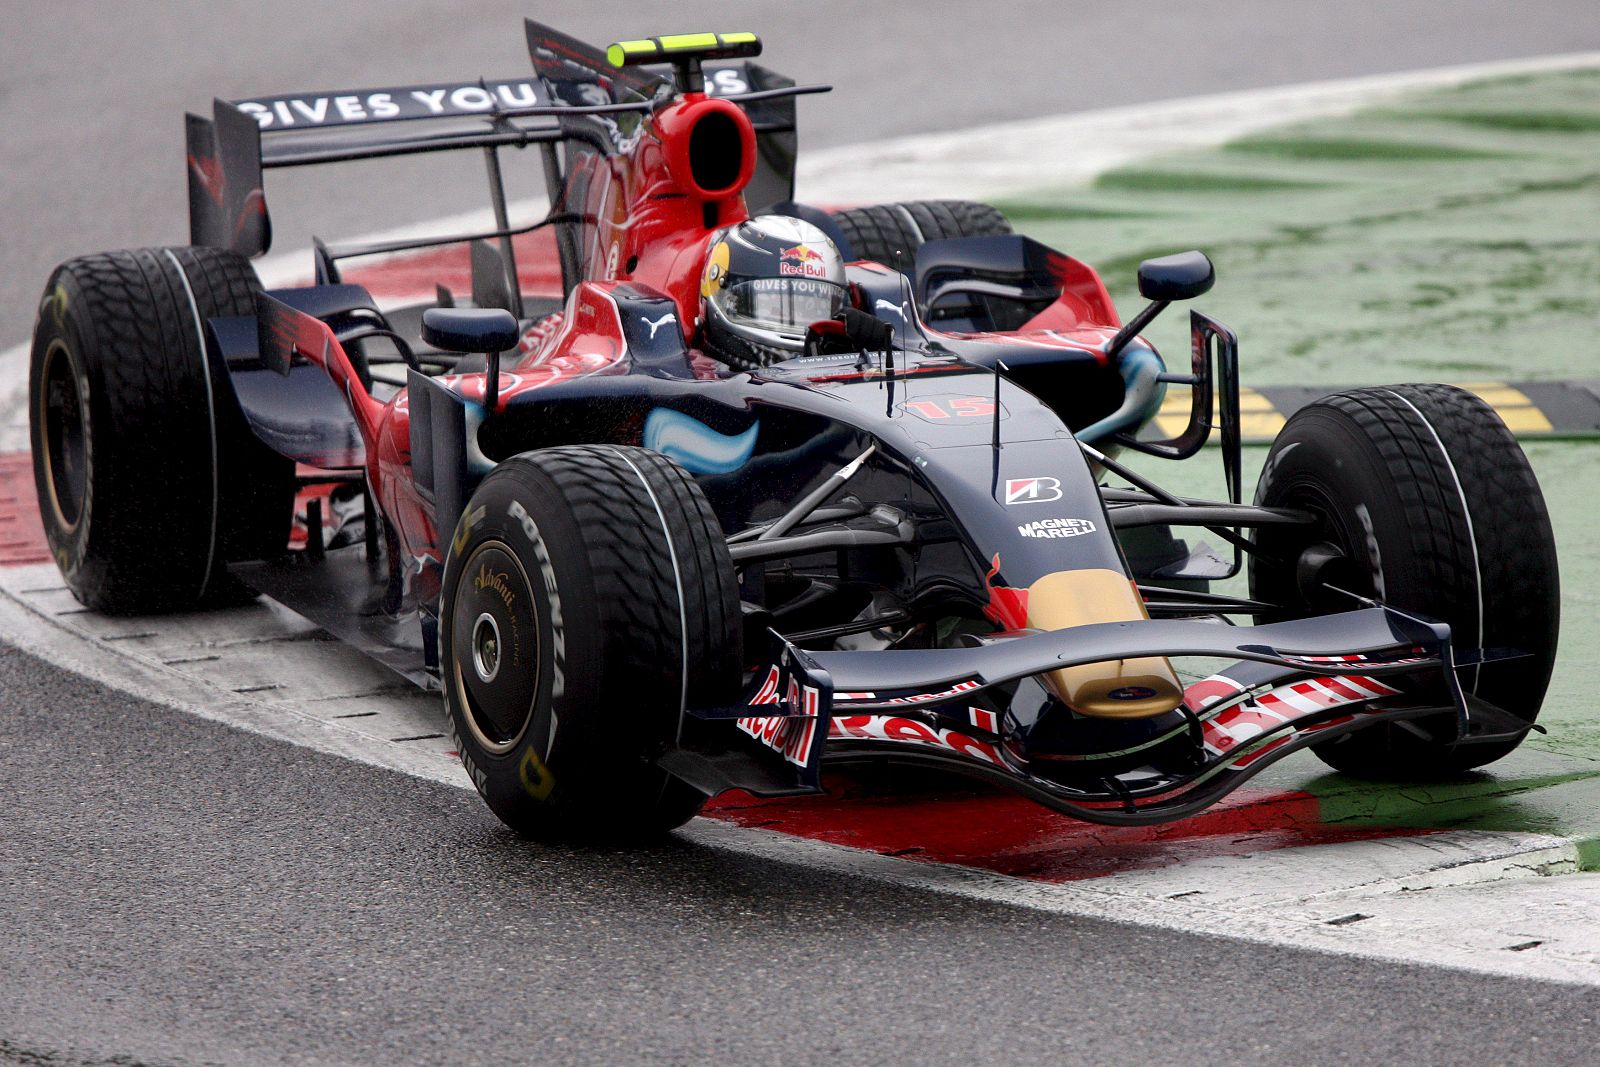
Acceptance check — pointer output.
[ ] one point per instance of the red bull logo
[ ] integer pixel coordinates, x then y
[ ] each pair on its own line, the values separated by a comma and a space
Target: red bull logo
804, 261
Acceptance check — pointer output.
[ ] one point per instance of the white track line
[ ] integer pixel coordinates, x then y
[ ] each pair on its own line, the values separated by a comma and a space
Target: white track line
1420, 894
1424, 898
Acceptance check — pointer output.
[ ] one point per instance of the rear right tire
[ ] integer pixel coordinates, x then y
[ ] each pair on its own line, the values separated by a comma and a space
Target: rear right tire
891, 233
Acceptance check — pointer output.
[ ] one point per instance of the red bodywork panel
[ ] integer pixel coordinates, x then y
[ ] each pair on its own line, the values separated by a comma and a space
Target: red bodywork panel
1083, 301
650, 212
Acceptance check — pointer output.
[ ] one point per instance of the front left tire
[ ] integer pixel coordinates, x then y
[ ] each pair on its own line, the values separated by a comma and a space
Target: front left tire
1424, 500
589, 598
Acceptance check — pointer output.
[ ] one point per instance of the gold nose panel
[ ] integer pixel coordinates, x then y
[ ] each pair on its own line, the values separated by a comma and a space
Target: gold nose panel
1114, 689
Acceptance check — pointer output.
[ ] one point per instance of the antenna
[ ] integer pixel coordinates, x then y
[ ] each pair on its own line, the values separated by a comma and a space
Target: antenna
999, 366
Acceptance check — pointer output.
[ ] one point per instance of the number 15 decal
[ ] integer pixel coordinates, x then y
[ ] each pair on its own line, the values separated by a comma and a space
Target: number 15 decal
945, 407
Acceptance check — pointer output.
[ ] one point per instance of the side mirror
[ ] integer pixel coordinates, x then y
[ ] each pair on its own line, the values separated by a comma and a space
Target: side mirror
1180, 277
487, 330
1161, 281
470, 329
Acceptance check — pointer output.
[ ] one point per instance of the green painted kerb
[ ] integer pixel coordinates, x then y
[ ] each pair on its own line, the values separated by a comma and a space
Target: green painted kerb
1449, 235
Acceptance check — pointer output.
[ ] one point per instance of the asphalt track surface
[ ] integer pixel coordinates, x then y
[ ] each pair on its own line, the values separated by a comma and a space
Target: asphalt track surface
180, 892
177, 892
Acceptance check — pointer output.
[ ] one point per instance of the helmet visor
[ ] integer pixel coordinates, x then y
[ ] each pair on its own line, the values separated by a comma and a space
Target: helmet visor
786, 305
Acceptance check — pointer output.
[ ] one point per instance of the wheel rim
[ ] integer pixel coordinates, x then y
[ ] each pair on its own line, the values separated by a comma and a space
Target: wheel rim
494, 654
65, 421
1327, 552
486, 647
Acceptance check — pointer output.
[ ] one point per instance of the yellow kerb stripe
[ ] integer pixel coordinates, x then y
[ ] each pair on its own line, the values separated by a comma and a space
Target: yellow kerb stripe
1257, 417
1512, 405
1259, 420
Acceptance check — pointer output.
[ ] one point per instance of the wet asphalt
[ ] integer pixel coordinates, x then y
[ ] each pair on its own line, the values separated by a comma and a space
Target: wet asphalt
176, 892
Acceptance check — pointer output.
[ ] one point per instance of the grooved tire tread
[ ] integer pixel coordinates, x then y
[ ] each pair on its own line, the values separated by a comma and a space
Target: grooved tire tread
644, 602
129, 322
1457, 520
891, 233
633, 576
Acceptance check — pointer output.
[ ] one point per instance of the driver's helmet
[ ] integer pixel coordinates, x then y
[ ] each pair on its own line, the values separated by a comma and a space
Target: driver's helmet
766, 280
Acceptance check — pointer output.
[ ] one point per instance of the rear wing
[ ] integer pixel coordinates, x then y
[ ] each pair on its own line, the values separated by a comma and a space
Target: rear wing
575, 100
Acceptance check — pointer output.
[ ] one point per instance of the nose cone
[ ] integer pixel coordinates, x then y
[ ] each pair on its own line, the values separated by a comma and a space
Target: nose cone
1114, 689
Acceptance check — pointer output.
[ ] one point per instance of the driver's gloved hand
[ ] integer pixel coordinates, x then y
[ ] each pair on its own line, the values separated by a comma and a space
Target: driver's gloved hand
866, 330
849, 331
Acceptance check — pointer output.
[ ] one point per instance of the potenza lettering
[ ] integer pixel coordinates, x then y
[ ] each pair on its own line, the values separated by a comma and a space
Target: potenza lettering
378, 105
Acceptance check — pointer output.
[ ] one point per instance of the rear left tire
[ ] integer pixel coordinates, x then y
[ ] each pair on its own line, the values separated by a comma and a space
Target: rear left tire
149, 478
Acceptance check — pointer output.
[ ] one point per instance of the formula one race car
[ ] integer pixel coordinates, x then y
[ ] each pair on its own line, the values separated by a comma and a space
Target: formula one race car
766, 487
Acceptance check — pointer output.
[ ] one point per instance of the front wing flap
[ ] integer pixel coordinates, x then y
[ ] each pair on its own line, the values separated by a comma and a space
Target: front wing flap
1352, 642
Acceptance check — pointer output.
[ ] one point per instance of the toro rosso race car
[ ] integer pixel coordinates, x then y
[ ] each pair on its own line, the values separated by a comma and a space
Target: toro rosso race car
767, 488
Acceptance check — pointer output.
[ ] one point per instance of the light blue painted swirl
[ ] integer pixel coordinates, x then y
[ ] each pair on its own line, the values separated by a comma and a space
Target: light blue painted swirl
697, 446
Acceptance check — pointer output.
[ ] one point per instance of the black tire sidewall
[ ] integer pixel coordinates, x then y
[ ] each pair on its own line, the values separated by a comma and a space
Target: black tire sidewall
68, 543
518, 782
1430, 496
1335, 470
594, 778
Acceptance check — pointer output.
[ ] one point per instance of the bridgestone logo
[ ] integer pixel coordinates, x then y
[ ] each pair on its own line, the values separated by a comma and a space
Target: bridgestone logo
1032, 490
1056, 528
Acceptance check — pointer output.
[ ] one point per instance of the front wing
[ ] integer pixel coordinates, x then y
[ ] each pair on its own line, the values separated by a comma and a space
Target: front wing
1292, 684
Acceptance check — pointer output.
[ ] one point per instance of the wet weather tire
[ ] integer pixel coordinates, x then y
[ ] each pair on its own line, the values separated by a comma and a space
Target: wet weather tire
588, 599
1429, 505
891, 233
149, 479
